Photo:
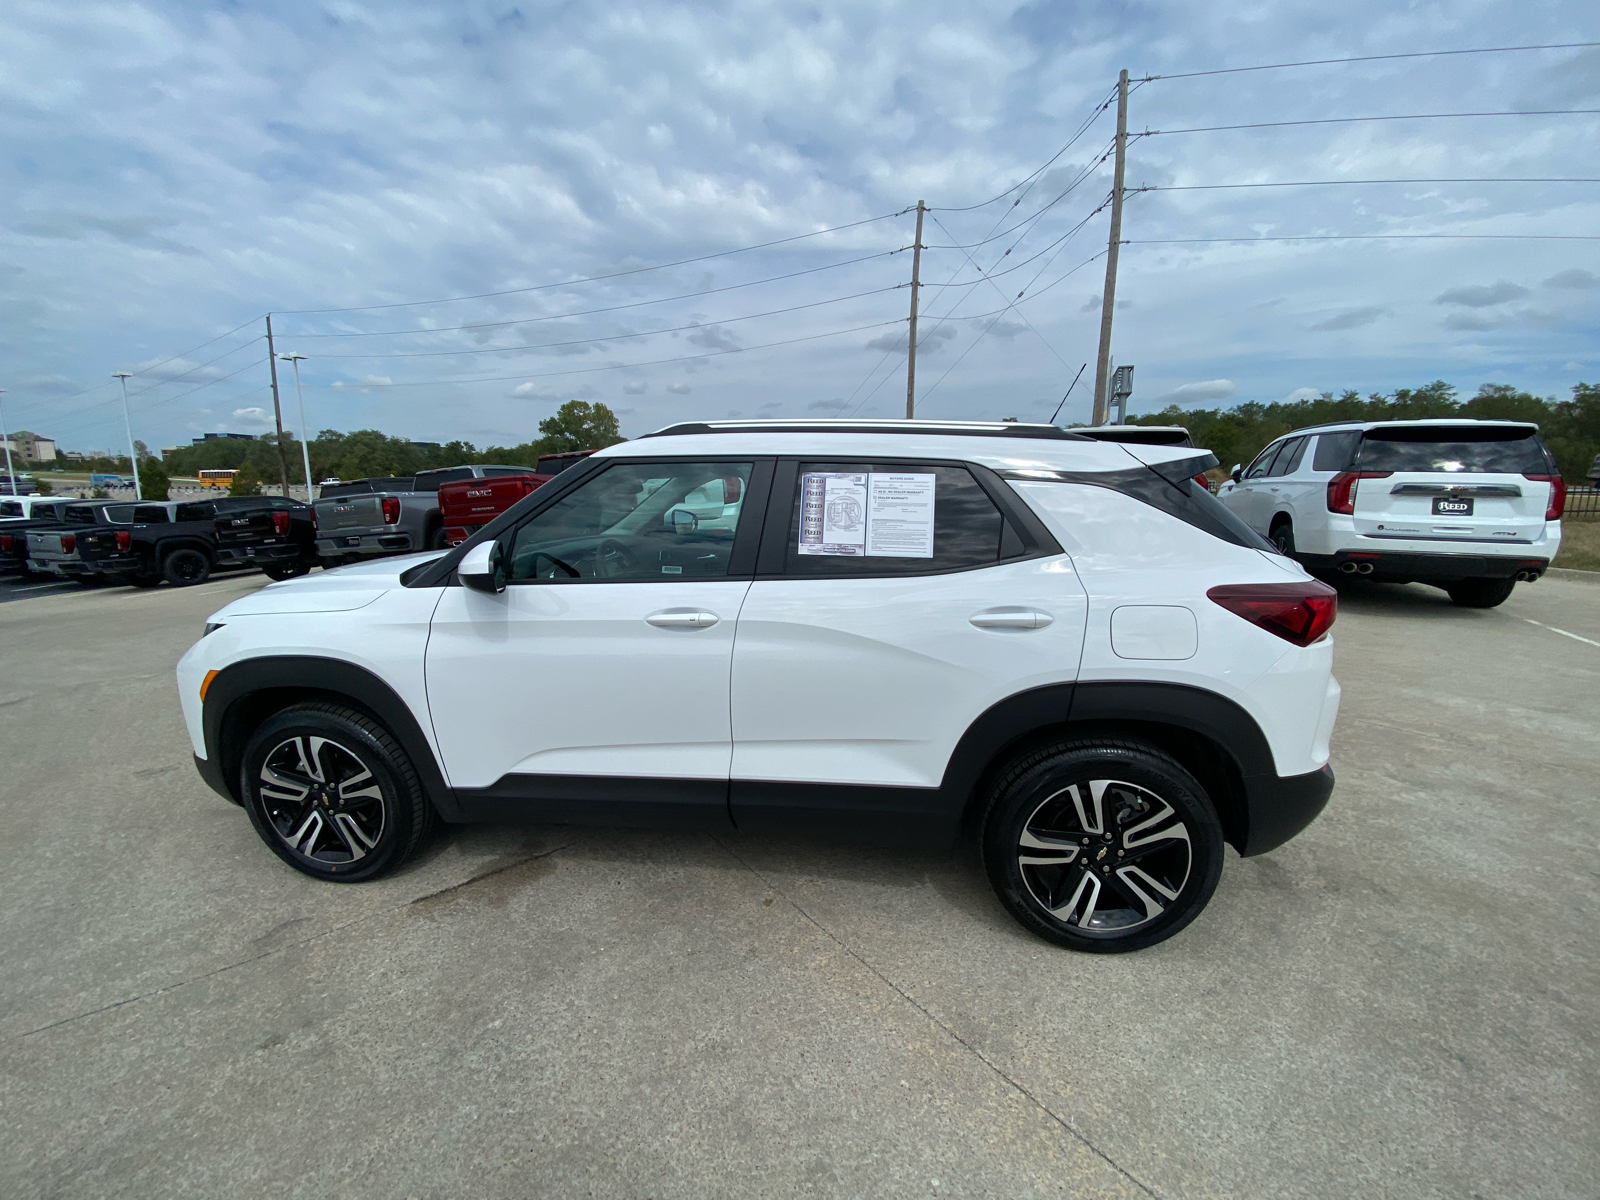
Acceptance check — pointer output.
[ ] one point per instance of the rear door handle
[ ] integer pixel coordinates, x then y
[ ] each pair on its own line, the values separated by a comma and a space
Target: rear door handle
1011, 618
682, 618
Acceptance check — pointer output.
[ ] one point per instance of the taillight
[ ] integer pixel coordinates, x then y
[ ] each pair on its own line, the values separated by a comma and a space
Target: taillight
124, 539
313, 513
391, 509
69, 543
6, 542
1297, 612
1558, 495
1342, 489
280, 523
1203, 482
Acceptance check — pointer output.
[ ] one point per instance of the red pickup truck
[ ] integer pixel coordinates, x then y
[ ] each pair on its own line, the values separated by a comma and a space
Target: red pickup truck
469, 504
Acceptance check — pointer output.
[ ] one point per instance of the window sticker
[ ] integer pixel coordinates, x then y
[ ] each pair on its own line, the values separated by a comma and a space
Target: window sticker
856, 515
900, 516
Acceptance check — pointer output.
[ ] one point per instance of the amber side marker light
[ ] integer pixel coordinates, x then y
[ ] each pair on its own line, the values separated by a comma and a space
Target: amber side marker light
205, 684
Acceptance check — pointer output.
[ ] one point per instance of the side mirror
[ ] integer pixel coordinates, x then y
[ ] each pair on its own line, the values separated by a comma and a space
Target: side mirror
732, 489
483, 568
684, 521
1237, 470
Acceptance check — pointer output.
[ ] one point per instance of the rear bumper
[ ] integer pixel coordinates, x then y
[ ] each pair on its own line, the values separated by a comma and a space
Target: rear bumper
1408, 565
256, 554
1279, 807
68, 568
339, 545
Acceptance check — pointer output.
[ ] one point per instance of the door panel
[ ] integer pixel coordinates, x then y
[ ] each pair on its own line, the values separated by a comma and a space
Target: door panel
874, 680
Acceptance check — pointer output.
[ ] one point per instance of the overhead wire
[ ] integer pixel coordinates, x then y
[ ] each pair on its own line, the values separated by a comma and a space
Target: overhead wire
1210, 187
1378, 237
544, 287
1323, 62
1543, 112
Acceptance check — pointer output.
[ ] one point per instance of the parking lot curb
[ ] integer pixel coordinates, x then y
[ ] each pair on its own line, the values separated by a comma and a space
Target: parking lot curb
1573, 576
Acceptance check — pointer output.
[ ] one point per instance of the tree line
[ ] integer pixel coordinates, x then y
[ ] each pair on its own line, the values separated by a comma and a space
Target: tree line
1571, 428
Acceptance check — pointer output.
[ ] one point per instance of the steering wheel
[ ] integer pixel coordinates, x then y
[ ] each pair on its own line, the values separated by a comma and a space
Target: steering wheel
611, 558
554, 561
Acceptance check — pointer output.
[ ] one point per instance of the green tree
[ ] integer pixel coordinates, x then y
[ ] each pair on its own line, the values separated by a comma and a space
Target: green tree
153, 480
579, 425
245, 483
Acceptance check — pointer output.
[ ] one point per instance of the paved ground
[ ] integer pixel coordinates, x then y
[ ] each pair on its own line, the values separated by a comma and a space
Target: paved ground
1402, 1002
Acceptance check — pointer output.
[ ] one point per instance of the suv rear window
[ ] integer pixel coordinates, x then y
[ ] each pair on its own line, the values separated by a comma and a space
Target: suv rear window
1495, 449
429, 481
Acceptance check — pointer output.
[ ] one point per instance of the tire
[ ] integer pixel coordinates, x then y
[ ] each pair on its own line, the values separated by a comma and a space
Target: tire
1282, 537
438, 539
1112, 799
283, 571
358, 815
185, 567
1480, 593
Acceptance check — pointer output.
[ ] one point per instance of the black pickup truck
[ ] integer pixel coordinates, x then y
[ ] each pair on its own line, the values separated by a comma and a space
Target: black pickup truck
18, 518
183, 542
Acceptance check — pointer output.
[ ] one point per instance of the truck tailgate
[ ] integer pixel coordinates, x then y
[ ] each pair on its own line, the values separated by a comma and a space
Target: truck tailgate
469, 502
349, 512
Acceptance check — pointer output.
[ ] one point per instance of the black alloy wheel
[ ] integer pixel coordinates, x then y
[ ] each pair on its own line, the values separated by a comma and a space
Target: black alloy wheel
1480, 593
185, 567
1103, 846
1283, 538
333, 794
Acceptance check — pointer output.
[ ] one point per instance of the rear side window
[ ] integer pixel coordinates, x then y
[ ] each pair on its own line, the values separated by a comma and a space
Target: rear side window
1335, 451
150, 514
195, 512
875, 519
1450, 449
10, 508
430, 481
80, 514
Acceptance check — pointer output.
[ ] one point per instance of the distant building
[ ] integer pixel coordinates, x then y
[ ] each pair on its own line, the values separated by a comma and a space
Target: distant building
217, 437
30, 447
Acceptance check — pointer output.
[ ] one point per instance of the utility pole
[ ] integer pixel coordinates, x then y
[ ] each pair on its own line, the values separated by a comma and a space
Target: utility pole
277, 409
1109, 299
133, 455
6, 438
305, 432
911, 345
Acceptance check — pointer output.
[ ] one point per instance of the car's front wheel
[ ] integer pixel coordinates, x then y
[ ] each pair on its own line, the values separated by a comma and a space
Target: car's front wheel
186, 567
333, 794
1104, 845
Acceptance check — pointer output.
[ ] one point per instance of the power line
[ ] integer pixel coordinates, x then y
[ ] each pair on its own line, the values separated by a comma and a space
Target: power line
1380, 237
1028, 220
1322, 62
1545, 112
625, 366
202, 366
302, 312
1208, 187
590, 312
615, 337
1002, 295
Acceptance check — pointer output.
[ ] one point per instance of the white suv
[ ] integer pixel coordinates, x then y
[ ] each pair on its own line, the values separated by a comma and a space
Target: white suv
894, 629
1473, 507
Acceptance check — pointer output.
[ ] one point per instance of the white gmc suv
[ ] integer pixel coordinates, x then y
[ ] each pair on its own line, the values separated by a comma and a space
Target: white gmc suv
893, 629
1469, 506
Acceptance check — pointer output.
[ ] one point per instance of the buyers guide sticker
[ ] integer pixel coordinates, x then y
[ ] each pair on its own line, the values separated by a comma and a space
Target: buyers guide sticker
859, 515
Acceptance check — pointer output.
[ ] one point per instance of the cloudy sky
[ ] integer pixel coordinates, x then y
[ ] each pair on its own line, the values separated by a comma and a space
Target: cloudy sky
454, 178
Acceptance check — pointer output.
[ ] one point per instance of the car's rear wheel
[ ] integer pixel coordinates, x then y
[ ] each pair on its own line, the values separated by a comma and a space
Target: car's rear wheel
1480, 593
333, 794
1282, 537
1103, 846
186, 567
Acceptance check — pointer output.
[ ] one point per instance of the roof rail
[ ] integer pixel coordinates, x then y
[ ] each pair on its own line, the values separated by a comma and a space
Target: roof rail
1005, 429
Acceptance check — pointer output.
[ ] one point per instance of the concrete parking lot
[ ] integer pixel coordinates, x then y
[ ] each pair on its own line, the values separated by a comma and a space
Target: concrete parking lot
1401, 1002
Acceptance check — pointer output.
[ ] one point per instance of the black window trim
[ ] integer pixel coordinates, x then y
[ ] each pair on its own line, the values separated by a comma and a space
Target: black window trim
773, 560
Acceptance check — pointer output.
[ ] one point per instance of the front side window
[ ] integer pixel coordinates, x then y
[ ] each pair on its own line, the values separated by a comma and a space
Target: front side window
853, 518
1288, 460
635, 522
1263, 464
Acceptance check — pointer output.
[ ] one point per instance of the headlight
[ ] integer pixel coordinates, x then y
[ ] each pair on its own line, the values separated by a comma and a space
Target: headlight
212, 627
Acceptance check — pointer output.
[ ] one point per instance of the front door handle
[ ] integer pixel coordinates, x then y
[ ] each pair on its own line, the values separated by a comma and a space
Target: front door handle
1011, 618
682, 618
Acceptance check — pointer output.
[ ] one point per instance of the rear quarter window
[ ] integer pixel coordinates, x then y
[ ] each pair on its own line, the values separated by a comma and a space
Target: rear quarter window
1335, 451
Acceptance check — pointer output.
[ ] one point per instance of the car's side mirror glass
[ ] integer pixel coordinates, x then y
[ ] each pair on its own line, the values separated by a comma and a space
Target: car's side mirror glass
1237, 470
683, 521
732, 489
483, 568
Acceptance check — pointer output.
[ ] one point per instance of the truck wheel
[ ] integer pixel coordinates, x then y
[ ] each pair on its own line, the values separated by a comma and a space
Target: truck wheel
1480, 593
1105, 845
1282, 537
283, 571
333, 794
439, 540
185, 567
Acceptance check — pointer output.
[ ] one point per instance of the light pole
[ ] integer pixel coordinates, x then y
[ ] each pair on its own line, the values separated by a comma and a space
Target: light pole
305, 432
133, 455
6, 438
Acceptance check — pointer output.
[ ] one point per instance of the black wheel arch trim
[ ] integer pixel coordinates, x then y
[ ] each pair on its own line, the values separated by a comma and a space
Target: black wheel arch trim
246, 693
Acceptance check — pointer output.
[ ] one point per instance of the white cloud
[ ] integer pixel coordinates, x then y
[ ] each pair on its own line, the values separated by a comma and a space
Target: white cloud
250, 416
928, 340
1483, 295
1205, 391
678, 389
1353, 318
1575, 277
635, 387
1302, 393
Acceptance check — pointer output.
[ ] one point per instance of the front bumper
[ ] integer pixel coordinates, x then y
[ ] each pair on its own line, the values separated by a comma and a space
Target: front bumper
211, 771
1278, 807
341, 545
1407, 565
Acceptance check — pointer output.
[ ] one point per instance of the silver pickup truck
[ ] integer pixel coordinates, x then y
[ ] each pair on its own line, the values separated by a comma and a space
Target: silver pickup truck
370, 518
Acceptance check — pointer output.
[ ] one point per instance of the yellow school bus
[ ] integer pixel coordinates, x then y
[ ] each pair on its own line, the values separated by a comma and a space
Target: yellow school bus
217, 479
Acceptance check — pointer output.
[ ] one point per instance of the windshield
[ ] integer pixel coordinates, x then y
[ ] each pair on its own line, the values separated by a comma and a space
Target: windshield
1507, 450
